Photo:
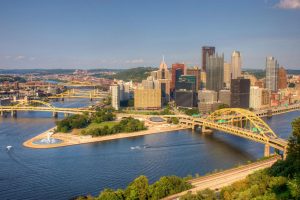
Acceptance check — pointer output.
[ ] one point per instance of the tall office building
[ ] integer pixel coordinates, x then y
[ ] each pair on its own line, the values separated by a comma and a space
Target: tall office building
186, 98
195, 71
215, 72
207, 100
227, 74
164, 79
150, 83
186, 82
240, 92
255, 97
282, 78
224, 97
178, 69
236, 63
271, 73
115, 96
207, 96
149, 99
206, 50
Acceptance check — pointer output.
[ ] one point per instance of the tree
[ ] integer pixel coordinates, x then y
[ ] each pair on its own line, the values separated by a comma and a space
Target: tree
221, 106
138, 189
109, 194
175, 120
168, 185
206, 194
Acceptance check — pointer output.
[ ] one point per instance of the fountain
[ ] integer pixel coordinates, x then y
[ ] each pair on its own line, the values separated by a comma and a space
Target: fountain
48, 139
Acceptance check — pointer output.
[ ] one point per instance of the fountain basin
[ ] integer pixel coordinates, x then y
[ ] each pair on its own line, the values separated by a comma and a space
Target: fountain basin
47, 141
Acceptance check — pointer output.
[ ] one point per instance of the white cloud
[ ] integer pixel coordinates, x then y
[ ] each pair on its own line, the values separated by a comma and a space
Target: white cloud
134, 61
288, 4
31, 58
19, 57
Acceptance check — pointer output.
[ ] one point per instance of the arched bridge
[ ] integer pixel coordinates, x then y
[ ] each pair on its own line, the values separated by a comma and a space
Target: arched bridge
239, 122
40, 106
73, 93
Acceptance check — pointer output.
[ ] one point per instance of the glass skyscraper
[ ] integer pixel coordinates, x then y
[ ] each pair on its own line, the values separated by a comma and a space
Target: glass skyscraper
271, 73
215, 72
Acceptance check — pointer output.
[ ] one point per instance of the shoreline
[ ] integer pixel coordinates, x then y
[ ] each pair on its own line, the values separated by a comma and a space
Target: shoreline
69, 139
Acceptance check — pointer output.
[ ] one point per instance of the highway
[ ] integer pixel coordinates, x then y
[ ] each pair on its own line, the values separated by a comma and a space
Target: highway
221, 179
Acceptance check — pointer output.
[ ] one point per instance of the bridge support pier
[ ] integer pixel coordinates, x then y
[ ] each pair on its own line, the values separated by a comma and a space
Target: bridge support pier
62, 99
55, 114
267, 150
66, 114
13, 113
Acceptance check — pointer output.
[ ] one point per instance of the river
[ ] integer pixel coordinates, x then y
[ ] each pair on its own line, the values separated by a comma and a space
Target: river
63, 173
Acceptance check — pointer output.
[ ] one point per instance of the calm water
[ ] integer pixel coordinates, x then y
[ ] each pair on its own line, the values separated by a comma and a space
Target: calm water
66, 172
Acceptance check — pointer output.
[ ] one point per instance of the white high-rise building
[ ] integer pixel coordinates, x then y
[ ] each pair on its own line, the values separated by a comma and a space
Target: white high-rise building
255, 101
271, 73
236, 64
115, 96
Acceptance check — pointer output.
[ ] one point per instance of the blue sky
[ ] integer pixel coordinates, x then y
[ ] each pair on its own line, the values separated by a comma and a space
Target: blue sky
130, 33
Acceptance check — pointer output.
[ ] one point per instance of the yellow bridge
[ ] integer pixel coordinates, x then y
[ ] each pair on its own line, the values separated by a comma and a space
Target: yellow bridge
239, 122
40, 106
72, 93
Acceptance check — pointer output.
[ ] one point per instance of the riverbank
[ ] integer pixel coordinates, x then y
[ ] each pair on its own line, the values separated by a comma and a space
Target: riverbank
73, 138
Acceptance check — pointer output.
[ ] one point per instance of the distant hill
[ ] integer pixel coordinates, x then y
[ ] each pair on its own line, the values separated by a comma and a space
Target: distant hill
134, 74
5, 78
36, 71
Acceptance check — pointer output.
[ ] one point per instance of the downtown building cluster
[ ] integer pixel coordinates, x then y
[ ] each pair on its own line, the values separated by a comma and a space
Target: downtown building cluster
216, 84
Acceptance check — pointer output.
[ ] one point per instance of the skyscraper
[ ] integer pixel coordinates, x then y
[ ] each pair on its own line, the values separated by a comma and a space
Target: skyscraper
282, 78
164, 79
206, 50
115, 96
215, 72
178, 69
236, 64
271, 73
195, 71
227, 74
240, 93
187, 82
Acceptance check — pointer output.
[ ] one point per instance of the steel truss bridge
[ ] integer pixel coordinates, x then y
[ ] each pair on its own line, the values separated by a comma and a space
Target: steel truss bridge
73, 93
239, 122
40, 106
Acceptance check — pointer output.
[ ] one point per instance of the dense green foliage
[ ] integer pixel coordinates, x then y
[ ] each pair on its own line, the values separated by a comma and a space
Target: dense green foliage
125, 125
191, 112
81, 121
103, 115
201, 195
135, 74
140, 189
71, 122
173, 120
221, 106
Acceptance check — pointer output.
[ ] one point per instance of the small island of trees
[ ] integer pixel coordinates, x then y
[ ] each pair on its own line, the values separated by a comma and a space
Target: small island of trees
100, 123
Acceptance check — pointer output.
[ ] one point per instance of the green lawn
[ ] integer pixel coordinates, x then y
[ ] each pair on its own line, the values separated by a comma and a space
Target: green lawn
96, 125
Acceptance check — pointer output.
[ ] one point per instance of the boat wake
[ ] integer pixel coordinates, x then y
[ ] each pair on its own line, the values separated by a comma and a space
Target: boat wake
164, 146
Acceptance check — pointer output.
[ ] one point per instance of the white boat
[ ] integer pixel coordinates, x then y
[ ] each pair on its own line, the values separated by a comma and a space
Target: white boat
8, 147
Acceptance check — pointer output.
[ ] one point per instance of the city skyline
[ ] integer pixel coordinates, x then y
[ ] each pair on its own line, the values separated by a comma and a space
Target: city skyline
116, 34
